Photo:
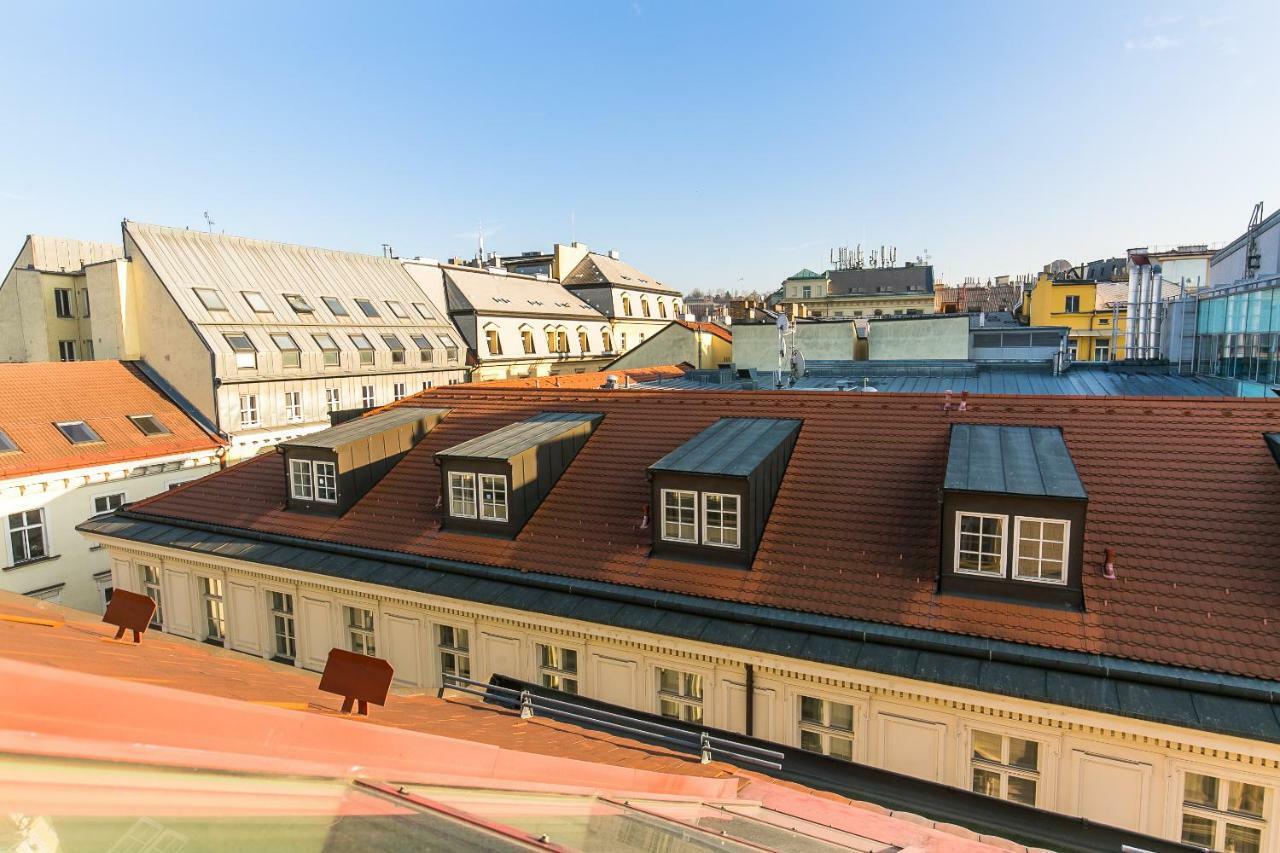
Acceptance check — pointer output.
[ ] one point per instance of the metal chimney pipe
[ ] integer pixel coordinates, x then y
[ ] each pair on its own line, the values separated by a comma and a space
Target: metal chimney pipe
1144, 309
1131, 314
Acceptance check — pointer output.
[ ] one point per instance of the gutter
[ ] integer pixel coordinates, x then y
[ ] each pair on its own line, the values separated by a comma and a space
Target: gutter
916, 639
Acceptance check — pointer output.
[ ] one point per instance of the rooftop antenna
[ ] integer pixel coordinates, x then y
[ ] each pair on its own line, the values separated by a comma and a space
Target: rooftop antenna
480, 239
573, 227
208, 221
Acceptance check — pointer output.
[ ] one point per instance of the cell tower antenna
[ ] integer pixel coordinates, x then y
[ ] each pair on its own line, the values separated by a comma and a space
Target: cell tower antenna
480, 242
208, 222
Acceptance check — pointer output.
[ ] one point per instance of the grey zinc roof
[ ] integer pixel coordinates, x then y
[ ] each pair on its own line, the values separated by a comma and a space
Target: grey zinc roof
361, 428
1273, 442
730, 447
1012, 460
514, 439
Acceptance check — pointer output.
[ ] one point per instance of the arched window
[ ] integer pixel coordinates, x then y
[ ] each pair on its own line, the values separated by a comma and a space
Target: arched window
626, 305
562, 339
675, 308
644, 306
584, 342
662, 309
492, 340
606, 339
526, 338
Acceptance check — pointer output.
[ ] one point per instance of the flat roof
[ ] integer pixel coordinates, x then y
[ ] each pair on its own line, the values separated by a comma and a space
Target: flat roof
514, 439
1012, 460
362, 428
730, 447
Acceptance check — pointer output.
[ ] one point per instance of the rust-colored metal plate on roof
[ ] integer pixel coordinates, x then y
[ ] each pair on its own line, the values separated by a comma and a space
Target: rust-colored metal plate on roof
356, 678
129, 611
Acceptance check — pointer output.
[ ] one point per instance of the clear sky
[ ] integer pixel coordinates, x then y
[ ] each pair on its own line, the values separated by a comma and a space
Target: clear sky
714, 144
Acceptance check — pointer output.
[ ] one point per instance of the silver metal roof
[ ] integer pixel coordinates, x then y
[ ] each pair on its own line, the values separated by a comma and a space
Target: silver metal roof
361, 428
730, 447
1011, 460
513, 439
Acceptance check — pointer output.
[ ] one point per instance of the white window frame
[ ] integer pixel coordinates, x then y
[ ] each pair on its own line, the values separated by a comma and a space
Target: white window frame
301, 480
463, 479
662, 518
1004, 545
489, 510
213, 606
121, 495
399, 390
154, 590
24, 526
282, 623
249, 416
66, 350
824, 730
737, 518
332, 399
246, 359
681, 699
1218, 813
553, 671
458, 652
492, 335
1002, 768
1017, 546
361, 638
293, 406
63, 307
368, 397
325, 477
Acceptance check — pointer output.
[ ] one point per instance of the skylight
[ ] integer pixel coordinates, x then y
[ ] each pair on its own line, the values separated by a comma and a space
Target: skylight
298, 303
335, 305
367, 307
398, 310
7, 445
210, 299
78, 432
256, 301
149, 425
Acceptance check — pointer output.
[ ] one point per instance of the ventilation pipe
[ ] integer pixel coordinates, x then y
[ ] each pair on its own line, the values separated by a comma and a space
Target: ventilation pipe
1144, 310
1131, 315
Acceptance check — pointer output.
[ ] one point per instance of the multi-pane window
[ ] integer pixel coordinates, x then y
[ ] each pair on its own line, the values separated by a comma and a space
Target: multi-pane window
62, 303
367, 307
27, 539
1005, 767
248, 410
680, 695
366, 397
720, 520
1101, 351
398, 391
979, 544
310, 480
283, 628
365, 349
454, 646
329, 349
826, 727
1040, 550
493, 342
425, 349
526, 339
149, 425
332, 399
245, 352
66, 350
558, 668
150, 577
562, 340
301, 484
293, 405
298, 303
215, 612
623, 340
493, 497
256, 302
326, 474
396, 346
397, 309
1072, 304
335, 306
462, 494
662, 309
679, 515
551, 340
290, 355
1223, 814
108, 503
78, 432
360, 631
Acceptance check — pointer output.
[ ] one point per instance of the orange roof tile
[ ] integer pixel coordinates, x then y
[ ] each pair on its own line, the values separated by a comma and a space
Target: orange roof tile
102, 394
589, 380
710, 328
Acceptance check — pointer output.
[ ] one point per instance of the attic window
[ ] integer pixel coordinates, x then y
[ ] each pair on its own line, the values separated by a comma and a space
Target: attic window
329, 348
256, 302
396, 346
424, 347
367, 307
298, 303
451, 348
398, 310
290, 355
210, 299
422, 310
335, 306
149, 425
7, 445
246, 352
366, 349
78, 432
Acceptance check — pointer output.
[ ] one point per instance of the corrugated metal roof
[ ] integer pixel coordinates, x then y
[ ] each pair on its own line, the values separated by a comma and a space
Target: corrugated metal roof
1011, 460
514, 439
64, 254
515, 294
730, 447
362, 428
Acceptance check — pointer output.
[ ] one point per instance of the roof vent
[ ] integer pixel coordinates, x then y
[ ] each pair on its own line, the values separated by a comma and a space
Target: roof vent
613, 253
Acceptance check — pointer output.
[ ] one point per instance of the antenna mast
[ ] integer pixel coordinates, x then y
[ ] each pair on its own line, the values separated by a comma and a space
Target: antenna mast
208, 222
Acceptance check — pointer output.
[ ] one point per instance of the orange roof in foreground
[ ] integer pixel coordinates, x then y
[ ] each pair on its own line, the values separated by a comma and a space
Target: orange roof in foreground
77, 693
1184, 490
35, 396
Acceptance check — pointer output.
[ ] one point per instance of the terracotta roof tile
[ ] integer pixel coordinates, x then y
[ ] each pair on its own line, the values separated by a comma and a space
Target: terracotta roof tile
1186, 493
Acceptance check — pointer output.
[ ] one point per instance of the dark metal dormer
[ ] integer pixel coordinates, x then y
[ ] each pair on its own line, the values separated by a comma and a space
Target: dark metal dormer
713, 494
493, 483
1013, 516
1273, 443
326, 472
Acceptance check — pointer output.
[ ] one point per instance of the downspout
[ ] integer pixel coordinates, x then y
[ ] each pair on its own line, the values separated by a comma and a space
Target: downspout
751, 705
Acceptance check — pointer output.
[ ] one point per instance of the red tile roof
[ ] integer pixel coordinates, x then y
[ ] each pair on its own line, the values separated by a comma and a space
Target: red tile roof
589, 380
102, 394
1184, 490
710, 328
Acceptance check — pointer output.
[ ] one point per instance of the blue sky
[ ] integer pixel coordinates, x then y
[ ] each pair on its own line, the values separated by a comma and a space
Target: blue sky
714, 144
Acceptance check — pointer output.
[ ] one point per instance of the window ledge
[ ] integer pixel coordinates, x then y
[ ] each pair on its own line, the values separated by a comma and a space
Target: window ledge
36, 561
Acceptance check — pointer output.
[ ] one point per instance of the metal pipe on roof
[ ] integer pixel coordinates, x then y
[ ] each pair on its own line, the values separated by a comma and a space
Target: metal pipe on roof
1132, 311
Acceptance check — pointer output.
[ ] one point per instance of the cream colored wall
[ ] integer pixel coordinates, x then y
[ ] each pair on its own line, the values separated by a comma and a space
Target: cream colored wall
676, 344
21, 333
1098, 766
941, 338
565, 258
115, 310
756, 345
865, 306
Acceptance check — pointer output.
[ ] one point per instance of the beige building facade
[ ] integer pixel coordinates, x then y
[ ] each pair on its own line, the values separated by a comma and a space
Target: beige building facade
637, 305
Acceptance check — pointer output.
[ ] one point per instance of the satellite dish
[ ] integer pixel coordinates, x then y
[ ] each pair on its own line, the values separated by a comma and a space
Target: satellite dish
784, 325
797, 365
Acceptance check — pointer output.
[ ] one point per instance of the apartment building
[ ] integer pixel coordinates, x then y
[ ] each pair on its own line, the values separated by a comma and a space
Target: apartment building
77, 440
864, 292
637, 305
702, 346
45, 312
994, 596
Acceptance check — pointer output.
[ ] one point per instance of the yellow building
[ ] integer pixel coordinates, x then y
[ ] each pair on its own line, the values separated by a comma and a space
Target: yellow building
870, 292
1095, 313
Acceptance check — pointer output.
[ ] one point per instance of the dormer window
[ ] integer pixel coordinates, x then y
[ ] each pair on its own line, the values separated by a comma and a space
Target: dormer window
679, 515
424, 348
311, 480
396, 346
245, 352
365, 349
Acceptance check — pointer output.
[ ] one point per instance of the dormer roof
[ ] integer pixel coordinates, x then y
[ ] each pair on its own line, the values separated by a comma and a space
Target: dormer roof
362, 429
1012, 460
512, 440
731, 447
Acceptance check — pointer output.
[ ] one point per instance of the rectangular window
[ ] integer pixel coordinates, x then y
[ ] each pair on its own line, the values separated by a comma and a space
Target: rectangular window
86, 349
7, 445
606, 341
680, 695
62, 303
396, 346
1072, 304
1040, 550
283, 628
150, 576
450, 348
290, 355
326, 482
299, 303
332, 399
27, 539
826, 727
108, 503
462, 494
398, 310
424, 348
454, 646
248, 410
360, 631
584, 345
310, 480
367, 400
256, 302
626, 305
246, 353
149, 425
422, 310
367, 307
215, 612
300, 483
78, 432
329, 348
493, 497
558, 668
679, 515
293, 406
365, 349
720, 520
526, 339
66, 350
335, 306
210, 299
398, 391
979, 544
493, 342
1005, 767
1223, 814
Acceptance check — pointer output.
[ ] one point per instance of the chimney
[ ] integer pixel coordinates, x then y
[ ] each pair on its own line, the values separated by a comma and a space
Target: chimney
613, 253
